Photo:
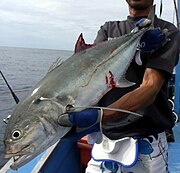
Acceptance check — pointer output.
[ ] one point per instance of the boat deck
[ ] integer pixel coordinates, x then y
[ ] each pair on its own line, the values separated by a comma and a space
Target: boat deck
174, 151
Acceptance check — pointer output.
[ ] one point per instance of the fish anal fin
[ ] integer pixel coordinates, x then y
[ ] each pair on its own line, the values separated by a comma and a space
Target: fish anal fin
111, 82
123, 83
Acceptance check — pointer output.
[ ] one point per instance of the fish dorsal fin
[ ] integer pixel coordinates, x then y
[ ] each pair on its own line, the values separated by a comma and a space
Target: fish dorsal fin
55, 64
81, 45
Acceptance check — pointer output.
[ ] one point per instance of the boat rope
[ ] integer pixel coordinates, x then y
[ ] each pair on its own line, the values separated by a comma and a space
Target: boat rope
73, 108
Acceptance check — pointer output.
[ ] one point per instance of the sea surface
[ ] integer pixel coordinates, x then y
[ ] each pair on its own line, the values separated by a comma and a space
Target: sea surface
22, 68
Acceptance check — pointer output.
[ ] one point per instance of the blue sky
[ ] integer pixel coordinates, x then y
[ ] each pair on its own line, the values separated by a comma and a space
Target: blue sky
56, 24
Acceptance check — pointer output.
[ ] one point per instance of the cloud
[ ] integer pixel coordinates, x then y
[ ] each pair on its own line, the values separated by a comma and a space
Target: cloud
56, 24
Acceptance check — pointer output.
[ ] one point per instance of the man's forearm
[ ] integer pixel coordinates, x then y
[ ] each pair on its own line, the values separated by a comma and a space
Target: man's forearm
141, 97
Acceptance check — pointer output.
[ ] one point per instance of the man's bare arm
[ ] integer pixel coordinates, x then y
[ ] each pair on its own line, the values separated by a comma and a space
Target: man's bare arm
141, 97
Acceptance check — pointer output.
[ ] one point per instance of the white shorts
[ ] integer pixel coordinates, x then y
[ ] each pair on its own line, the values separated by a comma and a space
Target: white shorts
152, 158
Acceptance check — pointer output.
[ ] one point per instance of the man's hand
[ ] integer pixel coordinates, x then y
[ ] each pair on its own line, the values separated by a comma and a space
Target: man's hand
85, 122
153, 39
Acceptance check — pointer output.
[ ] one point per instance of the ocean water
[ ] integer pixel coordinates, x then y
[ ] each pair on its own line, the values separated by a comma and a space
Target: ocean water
22, 68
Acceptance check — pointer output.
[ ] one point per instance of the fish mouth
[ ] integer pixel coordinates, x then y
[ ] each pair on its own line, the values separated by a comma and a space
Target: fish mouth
22, 157
19, 161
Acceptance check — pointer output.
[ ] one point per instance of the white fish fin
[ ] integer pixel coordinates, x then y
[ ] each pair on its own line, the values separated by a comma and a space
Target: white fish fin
55, 64
53, 100
123, 83
138, 58
59, 101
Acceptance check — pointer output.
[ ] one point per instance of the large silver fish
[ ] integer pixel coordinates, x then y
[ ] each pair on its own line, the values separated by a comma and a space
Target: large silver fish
81, 80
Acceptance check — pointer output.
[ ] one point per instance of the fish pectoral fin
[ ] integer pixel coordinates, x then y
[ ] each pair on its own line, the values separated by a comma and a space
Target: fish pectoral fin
123, 83
65, 100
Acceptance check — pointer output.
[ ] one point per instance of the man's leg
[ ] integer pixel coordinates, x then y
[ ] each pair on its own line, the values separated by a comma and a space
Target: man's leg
152, 158
152, 155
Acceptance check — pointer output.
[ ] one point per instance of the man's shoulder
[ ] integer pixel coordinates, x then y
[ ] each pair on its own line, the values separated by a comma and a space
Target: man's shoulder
115, 22
164, 24
121, 26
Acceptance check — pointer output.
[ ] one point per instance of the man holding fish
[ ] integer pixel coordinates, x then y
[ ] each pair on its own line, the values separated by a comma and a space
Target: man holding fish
125, 78
148, 96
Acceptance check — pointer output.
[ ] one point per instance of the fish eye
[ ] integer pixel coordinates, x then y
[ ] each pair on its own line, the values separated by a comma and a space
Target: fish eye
16, 134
